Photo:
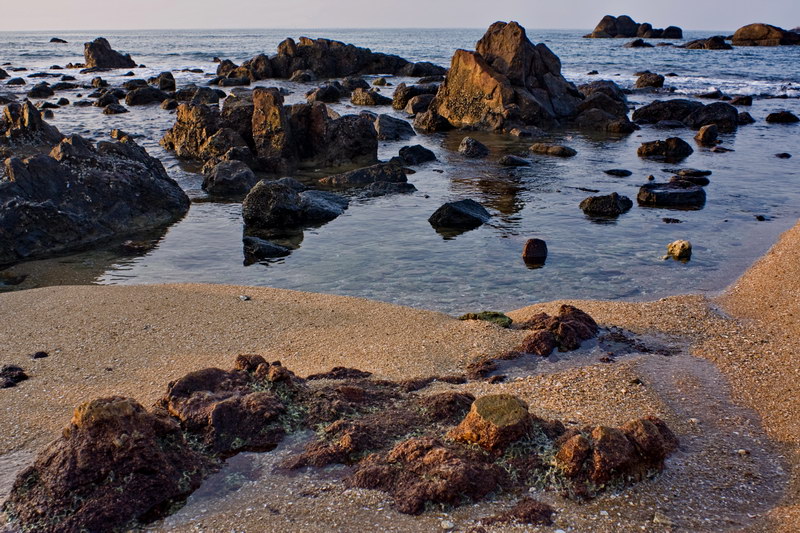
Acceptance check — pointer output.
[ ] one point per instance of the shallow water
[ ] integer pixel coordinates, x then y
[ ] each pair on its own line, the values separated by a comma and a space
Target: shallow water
385, 249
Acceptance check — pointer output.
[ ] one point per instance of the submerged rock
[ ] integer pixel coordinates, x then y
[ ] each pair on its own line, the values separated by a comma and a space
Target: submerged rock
553, 149
681, 250
361, 177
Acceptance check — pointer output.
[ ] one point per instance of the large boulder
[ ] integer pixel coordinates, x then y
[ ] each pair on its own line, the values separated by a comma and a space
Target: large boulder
507, 82
229, 178
461, 215
657, 111
676, 194
98, 54
494, 422
764, 35
115, 463
724, 115
624, 26
672, 150
270, 205
80, 194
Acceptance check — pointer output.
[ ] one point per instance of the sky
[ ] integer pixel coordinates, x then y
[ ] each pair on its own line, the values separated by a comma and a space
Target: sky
51, 15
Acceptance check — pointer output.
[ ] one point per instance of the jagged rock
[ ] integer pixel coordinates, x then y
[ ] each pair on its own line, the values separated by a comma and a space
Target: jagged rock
716, 42
494, 422
472, 148
98, 54
229, 177
271, 205
782, 117
369, 97
328, 93
681, 250
673, 149
764, 35
611, 205
364, 176
508, 82
649, 79
22, 124
541, 342
707, 135
679, 194
416, 155
571, 326
419, 104
113, 464
552, 149
389, 128
463, 214
199, 95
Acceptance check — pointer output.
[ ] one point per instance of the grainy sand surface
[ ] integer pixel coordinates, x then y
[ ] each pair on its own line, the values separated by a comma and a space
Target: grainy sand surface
733, 387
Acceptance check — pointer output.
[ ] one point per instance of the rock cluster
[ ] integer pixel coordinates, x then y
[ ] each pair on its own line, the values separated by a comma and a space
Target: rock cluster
716, 42
258, 129
565, 331
690, 113
764, 35
99, 54
63, 197
624, 26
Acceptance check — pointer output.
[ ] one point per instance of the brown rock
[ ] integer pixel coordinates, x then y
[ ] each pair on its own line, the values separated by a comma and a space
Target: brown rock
494, 422
612, 454
534, 252
541, 342
707, 135
572, 454
526, 511
653, 439
552, 149
764, 35
649, 79
98, 54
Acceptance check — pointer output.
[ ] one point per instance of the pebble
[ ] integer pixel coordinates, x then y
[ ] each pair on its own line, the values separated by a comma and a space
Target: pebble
447, 525
244, 298
743, 452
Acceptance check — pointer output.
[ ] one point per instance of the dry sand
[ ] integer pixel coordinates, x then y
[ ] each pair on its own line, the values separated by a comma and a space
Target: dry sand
739, 382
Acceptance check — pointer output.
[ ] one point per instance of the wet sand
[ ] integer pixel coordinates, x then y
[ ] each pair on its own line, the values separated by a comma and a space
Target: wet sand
731, 387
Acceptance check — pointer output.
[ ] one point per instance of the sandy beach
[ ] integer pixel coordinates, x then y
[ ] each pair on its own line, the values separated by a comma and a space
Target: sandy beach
132, 340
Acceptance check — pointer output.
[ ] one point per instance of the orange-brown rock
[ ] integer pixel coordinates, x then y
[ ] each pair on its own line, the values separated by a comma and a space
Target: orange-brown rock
764, 35
541, 342
493, 422
654, 440
613, 454
572, 454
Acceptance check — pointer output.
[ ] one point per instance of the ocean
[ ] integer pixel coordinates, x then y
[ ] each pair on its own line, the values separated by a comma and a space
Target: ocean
384, 248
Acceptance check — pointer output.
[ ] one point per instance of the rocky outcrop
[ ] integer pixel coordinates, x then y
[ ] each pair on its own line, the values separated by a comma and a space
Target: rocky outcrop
274, 137
273, 206
624, 26
764, 35
324, 58
98, 54
80, 193
570, 327
716, 42
507, 82
382, 172
690, 113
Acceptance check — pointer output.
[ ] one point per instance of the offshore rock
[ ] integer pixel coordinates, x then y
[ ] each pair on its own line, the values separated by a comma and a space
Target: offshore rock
464, 214
272, 205
677, 194
229, 178
716, 42
673, 149
764, 35
624, 26
98, 54
611, 205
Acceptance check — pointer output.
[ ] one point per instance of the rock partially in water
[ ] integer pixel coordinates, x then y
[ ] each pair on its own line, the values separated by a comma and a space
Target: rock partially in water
472, 148
571, 326
403, 94
272, 206
534, 252
707, 135
672, 150
393, 129
721, 114
513, 161
229, 178
624, 26
649, 79
384, 188
676, 109
611, 205
556, 150
681, 250
716, 42
782, 117
416, 155
638, 43
618, 172
764, 35
382, 172
145, 96
369, 97
98, 54
679, 194
461, 215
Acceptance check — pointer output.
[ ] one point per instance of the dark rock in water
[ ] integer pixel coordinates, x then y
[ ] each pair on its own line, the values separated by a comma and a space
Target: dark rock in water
115, 463
384, 188
783, 155
742, 100
716, 42
389, 128
744, 118
668, 220
164, 81
553, 149
723, 115
134, 84
526, 511
472, 148
98, 53
416, 155
41, 90
303, 76
638, 43
494, 317
624, 26
419, 104
235, 82
169, 104
716, 94
22, 124
380, 82
618, 172
660, 110
64, 201
507, 82
351, 83
422, 70
229, 178
677, 194
256, 249
10, 375
328, 93
364, 176
463, 214
764, 35
673, 149
534, 252
513, 161
611, 205
707, 135
114, 109
404, 93
57, 40
689, 172
649, 79
271, 205
16, 81
369, 97
697, 180
782, 117
145, 96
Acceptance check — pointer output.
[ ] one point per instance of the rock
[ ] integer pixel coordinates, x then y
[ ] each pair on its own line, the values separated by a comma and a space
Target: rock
782, 117
57, 40
98, 54
41, 90
541, 342
649, 80
64, 201
624, 26
16, 81
526, 511
494, 317
638, 43
493, 423
653, 439
513, 161
145, 96
712, 43
164, 81
115, 463
271, 205
611, 205
673, 149
389, 128
783, 155
613, 454
404, 93
384, 188
242, 81
303, 76
416, 155
572, 454
114, 109
678, 194
369, 98
534, 252
22, 124
618, 172
380, 82
508, 82
328, 93
723, 115
707, 135
169, 104
229, 178
472, 148
744, 118
571, 326
661, 110
741, 100
697, 180
10, 375
552, 149
463, 214
419, 104
351, 83
764, 35
681, 250
365, 176
256, 249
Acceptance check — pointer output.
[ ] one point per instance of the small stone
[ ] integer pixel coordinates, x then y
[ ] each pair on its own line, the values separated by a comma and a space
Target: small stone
40, 355
742, 452
783, 155
680, 249
244, 298
694, 421
446, 525
535, 252
603, 513
661, 518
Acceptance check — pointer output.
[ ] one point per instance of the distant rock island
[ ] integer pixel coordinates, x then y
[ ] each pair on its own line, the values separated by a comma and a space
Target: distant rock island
624, 26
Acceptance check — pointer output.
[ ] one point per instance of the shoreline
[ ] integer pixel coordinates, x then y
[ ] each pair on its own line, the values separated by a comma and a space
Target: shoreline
150, 334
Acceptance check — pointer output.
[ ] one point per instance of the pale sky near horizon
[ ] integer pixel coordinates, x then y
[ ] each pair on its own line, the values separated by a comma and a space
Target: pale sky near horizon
54, 15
